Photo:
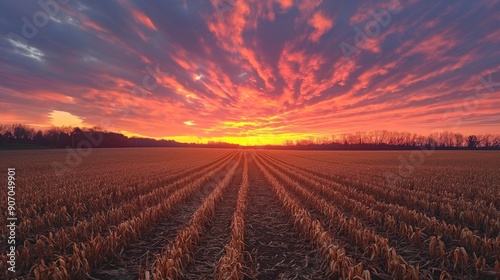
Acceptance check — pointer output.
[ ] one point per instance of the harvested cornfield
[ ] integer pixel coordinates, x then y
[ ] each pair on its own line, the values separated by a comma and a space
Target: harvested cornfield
191, 213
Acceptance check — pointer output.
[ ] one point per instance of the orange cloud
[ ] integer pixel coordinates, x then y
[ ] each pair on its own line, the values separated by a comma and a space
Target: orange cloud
255, 72
321, 24
286, 4
143, 19
61, 118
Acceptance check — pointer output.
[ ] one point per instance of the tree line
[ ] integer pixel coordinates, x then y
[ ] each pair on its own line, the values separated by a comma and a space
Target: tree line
63, 137
382, 139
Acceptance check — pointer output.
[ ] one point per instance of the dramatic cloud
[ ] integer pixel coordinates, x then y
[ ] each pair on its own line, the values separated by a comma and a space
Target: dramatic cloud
253, 71
321, 25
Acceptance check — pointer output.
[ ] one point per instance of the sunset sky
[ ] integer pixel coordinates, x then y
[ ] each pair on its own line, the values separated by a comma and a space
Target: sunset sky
251, 71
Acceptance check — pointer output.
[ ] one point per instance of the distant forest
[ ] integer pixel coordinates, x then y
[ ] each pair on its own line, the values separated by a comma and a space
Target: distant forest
23, 136
19, 135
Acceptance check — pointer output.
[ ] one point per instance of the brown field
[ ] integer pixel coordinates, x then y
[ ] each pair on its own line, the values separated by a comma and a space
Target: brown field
180, 213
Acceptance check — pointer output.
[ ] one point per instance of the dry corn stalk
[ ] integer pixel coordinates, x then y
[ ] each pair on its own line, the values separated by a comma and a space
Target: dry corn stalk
87, 255
231, 264
361, 236
339, 264
173, 260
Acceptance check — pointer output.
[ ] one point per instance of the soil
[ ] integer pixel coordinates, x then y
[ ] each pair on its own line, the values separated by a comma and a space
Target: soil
216, 236
276, 250
135, 254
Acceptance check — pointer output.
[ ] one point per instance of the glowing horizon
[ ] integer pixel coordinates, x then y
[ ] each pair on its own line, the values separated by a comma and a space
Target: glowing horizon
252, 72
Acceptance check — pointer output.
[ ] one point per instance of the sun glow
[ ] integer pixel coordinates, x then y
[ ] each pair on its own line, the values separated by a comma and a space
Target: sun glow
247, 140
61, 118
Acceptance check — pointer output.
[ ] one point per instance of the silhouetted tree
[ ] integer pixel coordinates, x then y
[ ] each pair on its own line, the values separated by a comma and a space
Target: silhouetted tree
8, 137
496, 141
485, 140
22, 133
38, 138
76, 134
472, 142
459, 140
68, 136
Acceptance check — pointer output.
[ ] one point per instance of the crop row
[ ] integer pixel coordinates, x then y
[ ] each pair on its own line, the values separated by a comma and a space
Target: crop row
176, 255
375, 246
105, 207
99, 248
339, 264
394, 218
457, 211
230, 266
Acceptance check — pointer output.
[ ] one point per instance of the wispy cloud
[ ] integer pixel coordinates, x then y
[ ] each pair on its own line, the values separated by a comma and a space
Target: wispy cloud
270, 69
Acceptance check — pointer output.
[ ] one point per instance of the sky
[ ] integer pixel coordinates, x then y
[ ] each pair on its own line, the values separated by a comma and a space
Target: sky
251, 71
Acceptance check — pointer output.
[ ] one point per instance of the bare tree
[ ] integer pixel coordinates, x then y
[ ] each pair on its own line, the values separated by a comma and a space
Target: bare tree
472, 141
459, 140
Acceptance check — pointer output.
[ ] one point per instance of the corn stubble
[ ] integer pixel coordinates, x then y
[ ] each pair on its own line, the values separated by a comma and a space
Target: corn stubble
438, 224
